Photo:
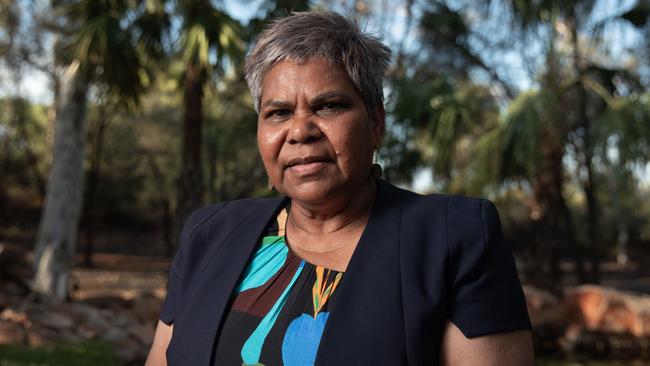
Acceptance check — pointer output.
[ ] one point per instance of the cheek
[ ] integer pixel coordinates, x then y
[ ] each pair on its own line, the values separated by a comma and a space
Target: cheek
269, 143
353, 151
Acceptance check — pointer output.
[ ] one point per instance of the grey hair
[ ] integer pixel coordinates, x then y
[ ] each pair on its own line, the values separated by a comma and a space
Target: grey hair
302, 36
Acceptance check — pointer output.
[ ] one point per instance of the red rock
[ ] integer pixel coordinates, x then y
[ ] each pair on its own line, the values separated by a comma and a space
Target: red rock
38, 336
607, 310
11, 333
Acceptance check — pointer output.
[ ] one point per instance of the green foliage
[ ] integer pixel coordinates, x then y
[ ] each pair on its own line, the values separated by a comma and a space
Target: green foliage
441, 120
90, 353
209, 36
233, 167
23, 145
625, 127
110, 38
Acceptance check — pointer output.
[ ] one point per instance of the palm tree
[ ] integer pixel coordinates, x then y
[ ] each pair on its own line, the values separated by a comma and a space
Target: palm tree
541, 127
209, 39
566, 113
99, 45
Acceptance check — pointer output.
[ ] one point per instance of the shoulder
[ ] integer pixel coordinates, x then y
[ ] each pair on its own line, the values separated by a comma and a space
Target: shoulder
453, 206
467, 224
235, 211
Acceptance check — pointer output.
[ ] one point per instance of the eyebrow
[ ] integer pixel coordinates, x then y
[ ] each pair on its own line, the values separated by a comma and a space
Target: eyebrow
278, 103
327, 95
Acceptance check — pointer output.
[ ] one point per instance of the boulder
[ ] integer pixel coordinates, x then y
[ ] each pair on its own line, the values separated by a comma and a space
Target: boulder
115, 335
146, 308
11, 333
606, 310
54, 320
93, 320
143, 333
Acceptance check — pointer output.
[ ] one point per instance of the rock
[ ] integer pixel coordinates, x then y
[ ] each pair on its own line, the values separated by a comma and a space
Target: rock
70, 336
11, 333
38, 336
93, 320
146, 308
123, 319
112, 303
115, 335
143, 333
53, 320
14, 316
606, 310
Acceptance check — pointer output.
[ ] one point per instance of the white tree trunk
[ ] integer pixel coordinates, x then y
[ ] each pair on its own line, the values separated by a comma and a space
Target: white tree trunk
57, 233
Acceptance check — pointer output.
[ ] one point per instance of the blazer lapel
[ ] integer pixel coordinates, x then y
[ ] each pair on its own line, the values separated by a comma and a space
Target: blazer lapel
197, 331
366, 323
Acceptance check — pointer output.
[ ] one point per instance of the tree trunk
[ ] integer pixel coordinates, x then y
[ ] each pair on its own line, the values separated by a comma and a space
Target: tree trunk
588, 185
97, 141
164, 201
622, 238
190, 182
554, 226
57, 233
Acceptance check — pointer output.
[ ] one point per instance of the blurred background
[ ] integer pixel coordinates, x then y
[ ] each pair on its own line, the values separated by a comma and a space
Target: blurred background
120, 117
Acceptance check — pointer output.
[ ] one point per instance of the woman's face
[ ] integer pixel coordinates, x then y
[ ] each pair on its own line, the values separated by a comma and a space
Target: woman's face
314, 133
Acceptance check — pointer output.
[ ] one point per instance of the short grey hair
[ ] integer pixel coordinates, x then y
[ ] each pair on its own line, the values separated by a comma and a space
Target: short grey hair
302, 36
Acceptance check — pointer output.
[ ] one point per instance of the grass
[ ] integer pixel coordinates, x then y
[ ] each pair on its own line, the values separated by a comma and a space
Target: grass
89, 353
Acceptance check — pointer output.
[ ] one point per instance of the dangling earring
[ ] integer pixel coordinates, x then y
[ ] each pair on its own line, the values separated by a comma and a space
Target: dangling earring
270, 186
375, 168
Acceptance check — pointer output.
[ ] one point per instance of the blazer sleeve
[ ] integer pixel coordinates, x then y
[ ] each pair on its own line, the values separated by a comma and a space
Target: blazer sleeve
170, 305
486, 295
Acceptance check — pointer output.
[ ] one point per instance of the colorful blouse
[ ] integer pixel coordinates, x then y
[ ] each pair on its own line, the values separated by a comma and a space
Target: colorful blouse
280, 307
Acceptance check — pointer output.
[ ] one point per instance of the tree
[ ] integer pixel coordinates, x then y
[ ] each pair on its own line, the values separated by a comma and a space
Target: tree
542, 127
209, 39
561, 120
100, 44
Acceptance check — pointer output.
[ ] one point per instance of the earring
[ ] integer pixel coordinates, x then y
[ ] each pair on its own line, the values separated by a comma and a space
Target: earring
270, 186
375, 169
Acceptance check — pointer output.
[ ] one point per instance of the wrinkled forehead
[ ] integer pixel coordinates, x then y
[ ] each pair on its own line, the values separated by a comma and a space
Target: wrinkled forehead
335, 65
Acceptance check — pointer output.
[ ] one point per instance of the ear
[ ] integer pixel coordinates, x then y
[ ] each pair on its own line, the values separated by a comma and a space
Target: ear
378, 119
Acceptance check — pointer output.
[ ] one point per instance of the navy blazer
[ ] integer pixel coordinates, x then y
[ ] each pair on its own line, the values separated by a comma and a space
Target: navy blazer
421, 260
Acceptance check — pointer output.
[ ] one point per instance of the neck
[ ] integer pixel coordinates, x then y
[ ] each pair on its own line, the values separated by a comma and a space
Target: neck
337, 215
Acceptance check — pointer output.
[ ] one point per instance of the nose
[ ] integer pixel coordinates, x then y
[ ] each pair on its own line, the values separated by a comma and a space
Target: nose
303, 129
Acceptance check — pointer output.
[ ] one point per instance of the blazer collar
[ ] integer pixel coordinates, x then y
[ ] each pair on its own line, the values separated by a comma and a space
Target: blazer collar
210, 298
365, 298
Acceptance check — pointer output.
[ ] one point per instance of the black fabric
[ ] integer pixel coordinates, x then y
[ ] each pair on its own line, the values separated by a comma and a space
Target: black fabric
421, 261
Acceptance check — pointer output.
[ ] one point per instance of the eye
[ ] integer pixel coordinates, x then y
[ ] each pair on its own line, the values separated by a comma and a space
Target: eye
330, 108
277, 114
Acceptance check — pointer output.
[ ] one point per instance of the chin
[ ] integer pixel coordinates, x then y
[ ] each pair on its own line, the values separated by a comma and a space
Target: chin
314, 192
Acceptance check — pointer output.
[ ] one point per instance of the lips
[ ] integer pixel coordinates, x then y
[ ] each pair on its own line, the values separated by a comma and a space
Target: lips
307, 160
307, 166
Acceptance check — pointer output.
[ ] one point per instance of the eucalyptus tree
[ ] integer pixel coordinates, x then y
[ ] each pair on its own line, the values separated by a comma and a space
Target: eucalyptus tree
101, 44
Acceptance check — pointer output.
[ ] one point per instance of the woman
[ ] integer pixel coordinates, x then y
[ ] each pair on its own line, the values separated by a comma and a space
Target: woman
345, 269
